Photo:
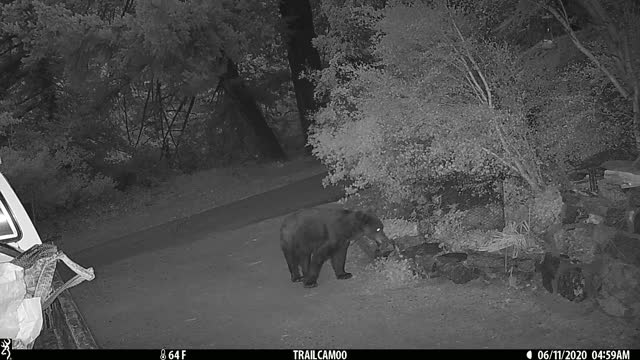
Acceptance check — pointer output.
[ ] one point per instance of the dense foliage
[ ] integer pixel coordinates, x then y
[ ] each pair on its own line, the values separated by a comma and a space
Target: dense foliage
440, 98
97, 95
102, 94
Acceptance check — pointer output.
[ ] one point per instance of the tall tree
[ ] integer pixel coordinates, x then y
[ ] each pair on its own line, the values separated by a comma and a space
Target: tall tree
619, 22
614, 51
242, 98
302, 54
120, 83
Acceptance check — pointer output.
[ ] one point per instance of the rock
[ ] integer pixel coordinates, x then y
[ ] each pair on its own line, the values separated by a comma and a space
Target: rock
562, 276
422, 250
580, 241
584, 240
571, 283
452, 266
573, 212
624, 176
451, 258
610, 205
494, 264
633, 221
548, 269
459, 273
613, 283
619, 293
624, 246
383, 253
616, 217
422, 257
397, 228
371, 249
368, 246
408, 241
428, 261
426, 227
612, 306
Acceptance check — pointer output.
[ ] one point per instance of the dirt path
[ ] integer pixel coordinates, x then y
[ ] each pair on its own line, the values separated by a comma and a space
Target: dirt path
221, 283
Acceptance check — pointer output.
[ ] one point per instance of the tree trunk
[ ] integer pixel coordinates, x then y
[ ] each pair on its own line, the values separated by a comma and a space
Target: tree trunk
298, 18
46, 85
636, 119
245, 103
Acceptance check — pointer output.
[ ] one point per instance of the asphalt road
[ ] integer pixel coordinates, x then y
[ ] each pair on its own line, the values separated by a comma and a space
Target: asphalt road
219, 280
305, 193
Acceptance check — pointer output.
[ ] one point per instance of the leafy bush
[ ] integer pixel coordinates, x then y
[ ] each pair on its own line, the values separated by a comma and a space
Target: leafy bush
449, 225
538, 210
435, 101
370, 199
410, 120
400, 140
47, 180
568, 126
121, 77
448, 229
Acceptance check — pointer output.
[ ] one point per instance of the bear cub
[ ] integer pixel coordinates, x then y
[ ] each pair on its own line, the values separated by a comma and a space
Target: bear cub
310, 237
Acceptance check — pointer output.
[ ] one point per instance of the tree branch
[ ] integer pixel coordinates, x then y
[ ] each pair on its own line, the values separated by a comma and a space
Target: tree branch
564, 21
487, 89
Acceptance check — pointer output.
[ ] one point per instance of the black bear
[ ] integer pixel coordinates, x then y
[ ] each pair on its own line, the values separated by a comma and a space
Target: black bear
310, 237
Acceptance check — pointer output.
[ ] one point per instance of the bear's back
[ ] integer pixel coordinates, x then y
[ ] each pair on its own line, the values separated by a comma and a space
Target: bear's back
320, 215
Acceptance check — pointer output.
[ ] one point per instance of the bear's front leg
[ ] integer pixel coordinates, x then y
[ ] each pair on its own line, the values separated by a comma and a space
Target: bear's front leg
338, 260
293, 264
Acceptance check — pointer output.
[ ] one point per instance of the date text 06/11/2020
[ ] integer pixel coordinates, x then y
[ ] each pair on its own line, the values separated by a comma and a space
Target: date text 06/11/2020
580, 355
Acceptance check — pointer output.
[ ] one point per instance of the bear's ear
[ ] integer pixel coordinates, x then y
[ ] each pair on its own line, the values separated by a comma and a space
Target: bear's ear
369, 210
361, 216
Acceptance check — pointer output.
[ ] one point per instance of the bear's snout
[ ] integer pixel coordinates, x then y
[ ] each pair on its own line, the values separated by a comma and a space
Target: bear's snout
381, 239
384, 245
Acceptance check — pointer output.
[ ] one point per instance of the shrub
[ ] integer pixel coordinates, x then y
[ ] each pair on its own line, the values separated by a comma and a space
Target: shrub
448, 225
401, 141
47, 180
410, 119
569, 126
539, 210
417, 113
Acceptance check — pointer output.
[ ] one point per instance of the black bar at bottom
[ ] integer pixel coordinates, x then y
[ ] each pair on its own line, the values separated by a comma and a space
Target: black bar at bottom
331, 354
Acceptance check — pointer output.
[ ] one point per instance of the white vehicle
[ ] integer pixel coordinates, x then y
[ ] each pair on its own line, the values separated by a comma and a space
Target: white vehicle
64, 327
16, 229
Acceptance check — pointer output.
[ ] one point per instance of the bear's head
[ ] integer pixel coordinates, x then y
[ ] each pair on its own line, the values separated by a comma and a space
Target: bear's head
373, 228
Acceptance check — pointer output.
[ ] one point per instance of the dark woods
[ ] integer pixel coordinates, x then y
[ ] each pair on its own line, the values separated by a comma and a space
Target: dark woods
97, 95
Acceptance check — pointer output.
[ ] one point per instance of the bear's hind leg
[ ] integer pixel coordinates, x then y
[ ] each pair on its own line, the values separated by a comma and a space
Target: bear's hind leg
315, 265
337, 262
292, 263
